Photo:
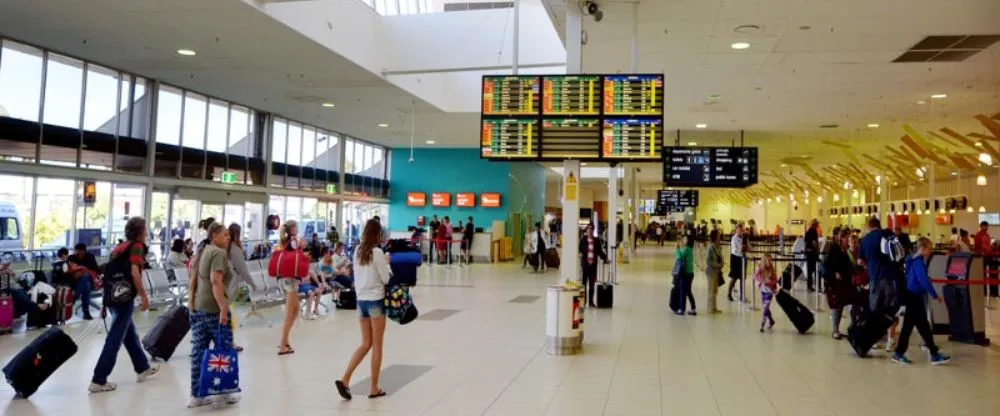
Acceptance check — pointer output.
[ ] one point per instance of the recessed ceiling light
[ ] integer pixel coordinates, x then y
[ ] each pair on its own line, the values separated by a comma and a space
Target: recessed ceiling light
979, 144
583, 164
329, 105
740, 45
939, 96
873, 125
701, 126
715, 97
921, 102
784, 165
692, 143
431, 142
186, 52
954, 174
383, 125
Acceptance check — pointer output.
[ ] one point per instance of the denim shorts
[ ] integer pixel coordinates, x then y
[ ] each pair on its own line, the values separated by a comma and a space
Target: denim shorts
305, 288
289, 284
371, 308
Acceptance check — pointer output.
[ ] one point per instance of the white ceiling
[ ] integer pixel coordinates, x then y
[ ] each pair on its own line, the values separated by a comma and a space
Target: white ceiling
790, 81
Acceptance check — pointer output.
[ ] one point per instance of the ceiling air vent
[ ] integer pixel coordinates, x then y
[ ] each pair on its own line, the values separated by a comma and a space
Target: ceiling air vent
828, 126
947, 48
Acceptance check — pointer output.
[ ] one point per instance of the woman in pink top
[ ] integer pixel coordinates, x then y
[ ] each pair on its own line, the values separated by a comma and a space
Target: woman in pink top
767, 280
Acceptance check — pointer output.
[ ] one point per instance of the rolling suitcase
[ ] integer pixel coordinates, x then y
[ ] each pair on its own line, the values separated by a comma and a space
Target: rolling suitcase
867, 331
6, 313
167, 332
676, 301
799, 314
551, 258
348, 299
606, 289
37, 361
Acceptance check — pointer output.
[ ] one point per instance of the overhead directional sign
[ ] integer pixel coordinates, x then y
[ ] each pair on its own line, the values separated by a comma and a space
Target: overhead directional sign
710, 167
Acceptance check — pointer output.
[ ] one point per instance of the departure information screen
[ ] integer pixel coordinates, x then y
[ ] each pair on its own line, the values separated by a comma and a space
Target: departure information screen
571, 138
587, 117
633, 95
509, 138
571, 95
675, 200
714, 167
510, 95
632, 139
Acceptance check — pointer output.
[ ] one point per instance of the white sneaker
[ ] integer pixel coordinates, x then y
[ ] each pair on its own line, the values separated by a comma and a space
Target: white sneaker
145, 375
231, 398
101, 388
199, 402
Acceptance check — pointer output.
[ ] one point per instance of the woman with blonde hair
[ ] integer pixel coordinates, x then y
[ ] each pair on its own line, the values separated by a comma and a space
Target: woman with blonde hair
289, 265
371, 274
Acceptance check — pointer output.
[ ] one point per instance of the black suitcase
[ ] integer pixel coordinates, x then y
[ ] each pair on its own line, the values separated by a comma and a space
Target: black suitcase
790, 275
37, 361
799, 314
348, 299
867, 331
551, 258
676, 298
167, 332
605, 295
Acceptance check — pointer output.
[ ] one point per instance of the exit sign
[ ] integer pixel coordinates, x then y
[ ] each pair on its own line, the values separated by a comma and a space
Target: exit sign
331, 189
228, 177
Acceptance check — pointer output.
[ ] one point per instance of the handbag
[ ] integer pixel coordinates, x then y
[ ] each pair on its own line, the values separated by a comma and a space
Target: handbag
220, 371
288, 263
399, 305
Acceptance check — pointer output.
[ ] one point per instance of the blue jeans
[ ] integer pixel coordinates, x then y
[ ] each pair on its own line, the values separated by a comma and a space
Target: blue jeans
204, 326
122, 331
84, 287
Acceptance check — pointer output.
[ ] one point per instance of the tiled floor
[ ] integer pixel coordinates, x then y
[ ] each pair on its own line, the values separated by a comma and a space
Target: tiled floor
488, 359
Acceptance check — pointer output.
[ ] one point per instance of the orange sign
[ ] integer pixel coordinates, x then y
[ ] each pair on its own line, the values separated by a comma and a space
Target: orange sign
416, 199
489, 200
440, 199
465, 200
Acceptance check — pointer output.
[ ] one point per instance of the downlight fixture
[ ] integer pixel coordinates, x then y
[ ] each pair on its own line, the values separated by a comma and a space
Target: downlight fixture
740, 45
592, 9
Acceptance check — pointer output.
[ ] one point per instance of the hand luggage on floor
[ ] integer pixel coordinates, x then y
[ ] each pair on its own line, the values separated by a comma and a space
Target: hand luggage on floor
867, 330
348, 299
799, 314
551, 258
790, 275
677, 296
38, 317
605, 295
532, 260
167, 332
37, 361
62, 302
6, 313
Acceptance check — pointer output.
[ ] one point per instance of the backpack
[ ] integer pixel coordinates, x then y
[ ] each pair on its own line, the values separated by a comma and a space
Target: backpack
680, 266
893, 249
118, 285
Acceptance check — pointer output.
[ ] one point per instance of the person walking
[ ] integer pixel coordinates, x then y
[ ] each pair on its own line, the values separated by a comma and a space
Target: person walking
289, 280
237, 261
767, 281
591, 250
812, 255
371, 274
539, 247
209, 305
686, 252
918, 287
839, 271
122, 284
713, 270
737, 253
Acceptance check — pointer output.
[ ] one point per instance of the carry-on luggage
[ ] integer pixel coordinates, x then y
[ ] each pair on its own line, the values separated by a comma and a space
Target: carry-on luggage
677, 298
551, 258
37, 361
791, 273
167, 332
799, 314
867, 331
38, 317
6, 313
348, 299
62, 302
605, 295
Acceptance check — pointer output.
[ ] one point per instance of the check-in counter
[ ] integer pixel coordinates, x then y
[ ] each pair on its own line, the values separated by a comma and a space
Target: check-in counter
480, 244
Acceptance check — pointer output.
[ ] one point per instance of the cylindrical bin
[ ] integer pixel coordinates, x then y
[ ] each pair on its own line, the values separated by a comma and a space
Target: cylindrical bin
562, 328
581, 302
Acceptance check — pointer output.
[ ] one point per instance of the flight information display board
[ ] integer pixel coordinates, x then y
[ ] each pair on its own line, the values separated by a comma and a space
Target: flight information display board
510, 95
710, 167
633, 95
587, 117
509, 138
571, 138
632, 139
571, 95
675, 200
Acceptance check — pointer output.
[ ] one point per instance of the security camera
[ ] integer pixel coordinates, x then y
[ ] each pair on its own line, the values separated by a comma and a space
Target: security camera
591, 8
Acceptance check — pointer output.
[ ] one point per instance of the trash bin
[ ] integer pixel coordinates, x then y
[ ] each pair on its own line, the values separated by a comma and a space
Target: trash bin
563, 320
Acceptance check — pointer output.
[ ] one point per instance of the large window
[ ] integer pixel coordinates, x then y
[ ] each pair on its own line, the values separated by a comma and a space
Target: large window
20, 81
399, 7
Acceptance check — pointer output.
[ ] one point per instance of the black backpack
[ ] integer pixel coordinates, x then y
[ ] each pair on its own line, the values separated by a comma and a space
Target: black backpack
118, 285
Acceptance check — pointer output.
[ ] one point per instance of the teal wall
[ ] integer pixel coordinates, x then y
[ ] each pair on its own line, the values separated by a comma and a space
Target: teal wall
447, 170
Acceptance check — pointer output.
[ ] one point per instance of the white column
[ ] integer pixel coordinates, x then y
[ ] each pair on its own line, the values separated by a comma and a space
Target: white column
612, 212
574, 40
569, 267
931, 194
516, 49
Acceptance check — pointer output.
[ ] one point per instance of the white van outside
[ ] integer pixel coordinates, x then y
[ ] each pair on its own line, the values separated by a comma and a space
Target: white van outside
11, 232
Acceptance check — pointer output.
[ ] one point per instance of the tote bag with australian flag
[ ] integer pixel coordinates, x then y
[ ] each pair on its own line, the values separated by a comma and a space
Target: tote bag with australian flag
220, 371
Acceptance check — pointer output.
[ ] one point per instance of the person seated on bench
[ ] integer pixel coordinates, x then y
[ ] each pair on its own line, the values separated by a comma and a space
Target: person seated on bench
312, 289
335, 270
22, 302
78, 272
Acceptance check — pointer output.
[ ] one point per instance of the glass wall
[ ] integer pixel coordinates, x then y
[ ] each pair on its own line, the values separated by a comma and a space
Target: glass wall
69, 112
365, 169
304, 157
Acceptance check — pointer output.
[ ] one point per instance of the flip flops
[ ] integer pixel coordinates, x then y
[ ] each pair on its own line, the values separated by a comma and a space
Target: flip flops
342, 389
380, 393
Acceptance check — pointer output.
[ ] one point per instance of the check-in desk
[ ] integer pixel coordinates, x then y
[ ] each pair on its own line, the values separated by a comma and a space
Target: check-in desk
964, 301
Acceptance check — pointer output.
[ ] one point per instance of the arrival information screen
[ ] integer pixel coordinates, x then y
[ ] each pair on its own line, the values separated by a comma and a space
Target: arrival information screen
571, 95
632, 139
571, 138
509, 138
510, 95
633, 95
